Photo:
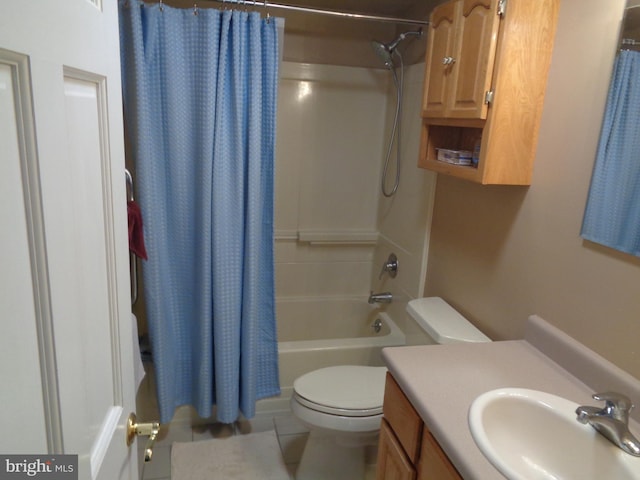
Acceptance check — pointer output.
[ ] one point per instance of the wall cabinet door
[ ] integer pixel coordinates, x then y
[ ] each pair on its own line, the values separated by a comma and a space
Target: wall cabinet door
440, 52
477, 34
462, 45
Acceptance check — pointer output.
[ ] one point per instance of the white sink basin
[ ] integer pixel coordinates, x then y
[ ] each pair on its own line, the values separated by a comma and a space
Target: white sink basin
532, 435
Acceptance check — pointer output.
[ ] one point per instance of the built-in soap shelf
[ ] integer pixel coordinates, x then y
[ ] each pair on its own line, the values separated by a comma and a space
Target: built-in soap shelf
329, 237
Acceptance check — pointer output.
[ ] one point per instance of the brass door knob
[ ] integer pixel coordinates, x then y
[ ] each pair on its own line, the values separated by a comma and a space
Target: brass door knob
150, 430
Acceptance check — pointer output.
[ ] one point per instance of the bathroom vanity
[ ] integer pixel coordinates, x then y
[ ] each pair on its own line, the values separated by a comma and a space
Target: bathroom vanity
485, 81
425, 433
407, 450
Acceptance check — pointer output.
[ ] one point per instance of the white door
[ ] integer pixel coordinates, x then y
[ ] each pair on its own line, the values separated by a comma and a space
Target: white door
66, 357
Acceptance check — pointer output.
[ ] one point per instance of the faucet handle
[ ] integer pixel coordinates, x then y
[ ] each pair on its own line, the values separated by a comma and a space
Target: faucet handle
390, 266
615, 404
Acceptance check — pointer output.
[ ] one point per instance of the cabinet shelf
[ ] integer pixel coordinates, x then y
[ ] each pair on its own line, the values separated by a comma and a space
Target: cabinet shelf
452, 137
461, 171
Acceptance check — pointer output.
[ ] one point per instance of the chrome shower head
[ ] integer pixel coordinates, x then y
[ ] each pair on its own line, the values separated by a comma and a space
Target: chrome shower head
386, 50
384, 53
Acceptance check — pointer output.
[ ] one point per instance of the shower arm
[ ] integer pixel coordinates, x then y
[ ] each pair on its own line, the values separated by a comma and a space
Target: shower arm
392, 46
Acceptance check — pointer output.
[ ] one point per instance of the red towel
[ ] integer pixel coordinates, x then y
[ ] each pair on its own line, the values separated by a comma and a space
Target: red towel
136, 236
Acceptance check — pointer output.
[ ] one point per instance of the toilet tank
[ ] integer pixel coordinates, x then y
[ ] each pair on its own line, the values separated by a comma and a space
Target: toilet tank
442, 322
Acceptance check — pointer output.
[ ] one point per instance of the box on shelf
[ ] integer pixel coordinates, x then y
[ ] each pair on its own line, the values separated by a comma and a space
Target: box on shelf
455, 157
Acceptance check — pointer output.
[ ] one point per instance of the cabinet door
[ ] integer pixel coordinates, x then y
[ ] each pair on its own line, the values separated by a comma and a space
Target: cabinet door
440, 51
461, 51
476, 32
434, 463
402, 418
393, 463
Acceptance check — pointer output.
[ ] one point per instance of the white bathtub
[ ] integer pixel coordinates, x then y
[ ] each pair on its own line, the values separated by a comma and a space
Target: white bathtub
316, 333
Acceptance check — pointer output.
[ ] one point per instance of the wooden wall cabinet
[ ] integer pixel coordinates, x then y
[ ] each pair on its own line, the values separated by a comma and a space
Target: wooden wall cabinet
461, 51
486, 71
407, 450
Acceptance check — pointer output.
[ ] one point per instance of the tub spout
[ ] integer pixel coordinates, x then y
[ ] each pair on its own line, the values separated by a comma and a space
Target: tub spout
384, 297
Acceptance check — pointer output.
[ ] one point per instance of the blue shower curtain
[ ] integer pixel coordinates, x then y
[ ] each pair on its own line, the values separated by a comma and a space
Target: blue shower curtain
612, 215
200, 100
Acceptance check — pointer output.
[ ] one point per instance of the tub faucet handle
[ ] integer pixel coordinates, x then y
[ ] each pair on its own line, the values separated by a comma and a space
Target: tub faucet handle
390, 266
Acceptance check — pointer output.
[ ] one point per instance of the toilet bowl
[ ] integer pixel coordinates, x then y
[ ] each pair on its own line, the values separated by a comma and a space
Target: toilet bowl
342, 405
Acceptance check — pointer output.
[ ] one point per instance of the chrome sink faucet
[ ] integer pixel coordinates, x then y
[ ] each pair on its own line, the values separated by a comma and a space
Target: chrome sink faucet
612, 421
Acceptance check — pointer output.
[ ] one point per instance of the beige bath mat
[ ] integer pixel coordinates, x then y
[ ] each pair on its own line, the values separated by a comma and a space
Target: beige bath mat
255, 456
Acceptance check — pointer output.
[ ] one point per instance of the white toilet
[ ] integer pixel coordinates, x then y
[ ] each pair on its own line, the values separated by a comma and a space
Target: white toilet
342, 406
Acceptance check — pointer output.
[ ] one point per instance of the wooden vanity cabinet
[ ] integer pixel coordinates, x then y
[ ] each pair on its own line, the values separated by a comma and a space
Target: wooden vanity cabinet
485, 80
407, 450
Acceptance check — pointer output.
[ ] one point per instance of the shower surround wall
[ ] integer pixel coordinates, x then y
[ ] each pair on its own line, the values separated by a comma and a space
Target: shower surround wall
330, 138
404, 220
333, 227
331, 124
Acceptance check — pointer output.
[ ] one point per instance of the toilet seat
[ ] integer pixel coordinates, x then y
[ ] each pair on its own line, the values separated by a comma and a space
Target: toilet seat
345, 390
340, 412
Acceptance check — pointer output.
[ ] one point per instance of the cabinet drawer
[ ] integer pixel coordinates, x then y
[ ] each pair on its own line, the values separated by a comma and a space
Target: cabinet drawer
403, 418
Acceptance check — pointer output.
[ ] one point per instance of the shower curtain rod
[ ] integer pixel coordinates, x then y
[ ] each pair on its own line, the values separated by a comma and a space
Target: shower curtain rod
629, 44
320, 11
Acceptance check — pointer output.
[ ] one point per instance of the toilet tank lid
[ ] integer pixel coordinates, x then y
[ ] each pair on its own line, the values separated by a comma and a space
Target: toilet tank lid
442, 322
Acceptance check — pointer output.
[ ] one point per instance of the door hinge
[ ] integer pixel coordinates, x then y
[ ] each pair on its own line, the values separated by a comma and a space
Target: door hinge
488, 97
502, 7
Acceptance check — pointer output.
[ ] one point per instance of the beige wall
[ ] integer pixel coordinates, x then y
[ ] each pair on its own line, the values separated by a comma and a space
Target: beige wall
499, 254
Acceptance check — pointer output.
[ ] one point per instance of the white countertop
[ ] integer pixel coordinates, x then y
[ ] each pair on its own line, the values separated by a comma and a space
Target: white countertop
441, 381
